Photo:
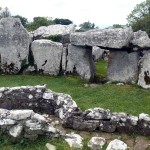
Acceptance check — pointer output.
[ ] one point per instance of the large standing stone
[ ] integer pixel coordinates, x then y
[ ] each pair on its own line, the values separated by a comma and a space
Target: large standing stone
144, 74
80, 61
110, 38
58, 29
47, 56
14, 45
97, 53
123, 66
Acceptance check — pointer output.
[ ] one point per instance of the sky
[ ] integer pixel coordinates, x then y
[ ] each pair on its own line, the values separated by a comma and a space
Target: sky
103, 13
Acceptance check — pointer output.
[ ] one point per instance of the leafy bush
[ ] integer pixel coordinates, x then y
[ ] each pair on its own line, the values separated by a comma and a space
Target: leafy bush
55, 38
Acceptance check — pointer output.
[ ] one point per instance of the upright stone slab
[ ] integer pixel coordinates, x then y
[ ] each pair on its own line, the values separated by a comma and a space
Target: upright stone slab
97, 53
47, 56
123, 66
79, 60
144, 74
14, 45
109, 38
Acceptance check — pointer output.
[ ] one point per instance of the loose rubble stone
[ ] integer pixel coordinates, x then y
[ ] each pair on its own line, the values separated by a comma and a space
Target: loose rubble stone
47, 56
7, 122
117, 145
96, 143
74, 140
16, 130
50, 146
20, 114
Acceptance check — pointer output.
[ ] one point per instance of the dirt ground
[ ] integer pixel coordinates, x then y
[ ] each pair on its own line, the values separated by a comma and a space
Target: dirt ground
134, 142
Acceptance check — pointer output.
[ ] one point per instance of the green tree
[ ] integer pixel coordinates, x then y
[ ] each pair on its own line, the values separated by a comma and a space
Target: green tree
23, 20
5, 12
117, 26
38, 22
139, 18
62, 21
87, 26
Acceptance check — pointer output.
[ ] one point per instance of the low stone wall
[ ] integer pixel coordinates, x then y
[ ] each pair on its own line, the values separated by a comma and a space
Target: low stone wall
29, 111
44, 101
25, 123
103, 120
37, 98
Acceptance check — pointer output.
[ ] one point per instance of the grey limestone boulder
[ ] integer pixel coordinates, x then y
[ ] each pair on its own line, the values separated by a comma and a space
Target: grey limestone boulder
123, 66
144, 73
16, 130
109, 38
79, 60
58, 29
47, 56
97, 53
117, 145
50, 146
140, 40
74, 140
96, 143
14, 45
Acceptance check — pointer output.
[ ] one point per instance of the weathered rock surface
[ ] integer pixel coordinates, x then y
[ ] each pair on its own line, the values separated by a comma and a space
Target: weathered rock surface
144, 73
140, 40
26, 123
79, 60
47, 56
15, 131
74, 140
97, 53
96, 143
109, 38
123, 66
50, 146
14, 45
117, 145
36, 98
58, 29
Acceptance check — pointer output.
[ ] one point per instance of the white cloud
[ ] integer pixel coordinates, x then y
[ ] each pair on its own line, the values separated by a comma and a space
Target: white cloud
101, 12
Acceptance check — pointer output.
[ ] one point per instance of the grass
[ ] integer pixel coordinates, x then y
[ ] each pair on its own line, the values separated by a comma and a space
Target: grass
101, 68
127, 98
25, 144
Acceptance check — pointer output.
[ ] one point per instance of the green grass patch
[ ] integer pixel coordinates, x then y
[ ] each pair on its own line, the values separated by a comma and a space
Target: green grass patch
101, 68
6, 143
127, 98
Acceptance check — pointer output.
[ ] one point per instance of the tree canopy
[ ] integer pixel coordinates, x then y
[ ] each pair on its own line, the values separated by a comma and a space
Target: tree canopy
38, 22
117, 26
4, 12
139, 18
86, 26
62, 21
